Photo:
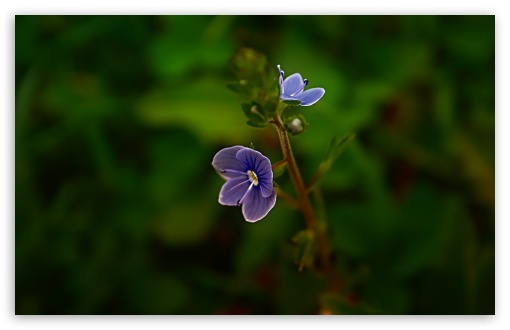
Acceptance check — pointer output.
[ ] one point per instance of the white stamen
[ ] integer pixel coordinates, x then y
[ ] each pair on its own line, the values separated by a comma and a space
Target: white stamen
239, 202
237, 185
253, 178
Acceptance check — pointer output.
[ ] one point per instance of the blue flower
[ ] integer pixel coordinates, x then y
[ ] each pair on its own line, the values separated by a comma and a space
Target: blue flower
249, 181
292, 89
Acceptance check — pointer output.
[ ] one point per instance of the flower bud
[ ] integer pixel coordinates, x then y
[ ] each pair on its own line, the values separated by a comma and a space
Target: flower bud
296, 125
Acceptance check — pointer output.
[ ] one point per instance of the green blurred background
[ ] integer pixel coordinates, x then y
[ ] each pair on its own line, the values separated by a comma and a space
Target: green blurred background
117, 121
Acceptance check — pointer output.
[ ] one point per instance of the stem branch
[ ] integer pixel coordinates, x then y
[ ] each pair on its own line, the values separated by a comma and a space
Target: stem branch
294, 203
280, 163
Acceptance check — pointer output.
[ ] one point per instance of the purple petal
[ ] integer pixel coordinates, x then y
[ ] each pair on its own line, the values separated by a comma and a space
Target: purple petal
261, 165
265, 176
254, 160
233, 191
255, 206
266, 183
311, 96
292, 84
225, 160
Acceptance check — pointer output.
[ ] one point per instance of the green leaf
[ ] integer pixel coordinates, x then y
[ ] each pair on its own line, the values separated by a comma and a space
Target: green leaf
304, 249
256, 124
254, 112
279, 170
336, 148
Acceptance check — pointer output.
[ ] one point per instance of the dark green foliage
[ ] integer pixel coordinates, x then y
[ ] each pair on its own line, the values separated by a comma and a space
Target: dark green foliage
256, 81
117, 119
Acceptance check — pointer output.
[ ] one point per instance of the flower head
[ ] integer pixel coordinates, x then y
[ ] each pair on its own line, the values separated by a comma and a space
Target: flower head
249, 181
292, 89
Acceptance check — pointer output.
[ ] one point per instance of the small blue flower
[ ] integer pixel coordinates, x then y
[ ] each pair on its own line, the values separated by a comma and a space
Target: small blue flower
291, 89
249, 181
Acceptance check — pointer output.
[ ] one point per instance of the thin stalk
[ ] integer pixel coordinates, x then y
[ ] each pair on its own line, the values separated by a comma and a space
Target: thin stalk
305, 204
280, 163
295, 175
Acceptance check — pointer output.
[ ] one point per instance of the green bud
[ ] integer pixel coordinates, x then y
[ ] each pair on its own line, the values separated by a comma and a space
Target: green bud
296, 124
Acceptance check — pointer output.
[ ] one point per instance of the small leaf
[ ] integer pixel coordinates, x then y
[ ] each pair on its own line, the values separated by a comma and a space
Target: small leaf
304, 236
304, 252
256, 124
254, 112
336, 148
233, 86
279, 169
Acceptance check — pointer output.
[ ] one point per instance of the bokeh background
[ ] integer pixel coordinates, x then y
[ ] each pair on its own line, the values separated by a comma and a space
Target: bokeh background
117, 119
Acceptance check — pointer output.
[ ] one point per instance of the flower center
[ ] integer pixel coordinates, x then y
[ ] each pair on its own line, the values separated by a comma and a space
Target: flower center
253, 177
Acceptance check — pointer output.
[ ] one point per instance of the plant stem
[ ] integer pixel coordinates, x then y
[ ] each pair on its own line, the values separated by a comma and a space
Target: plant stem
295, 175
305, 205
